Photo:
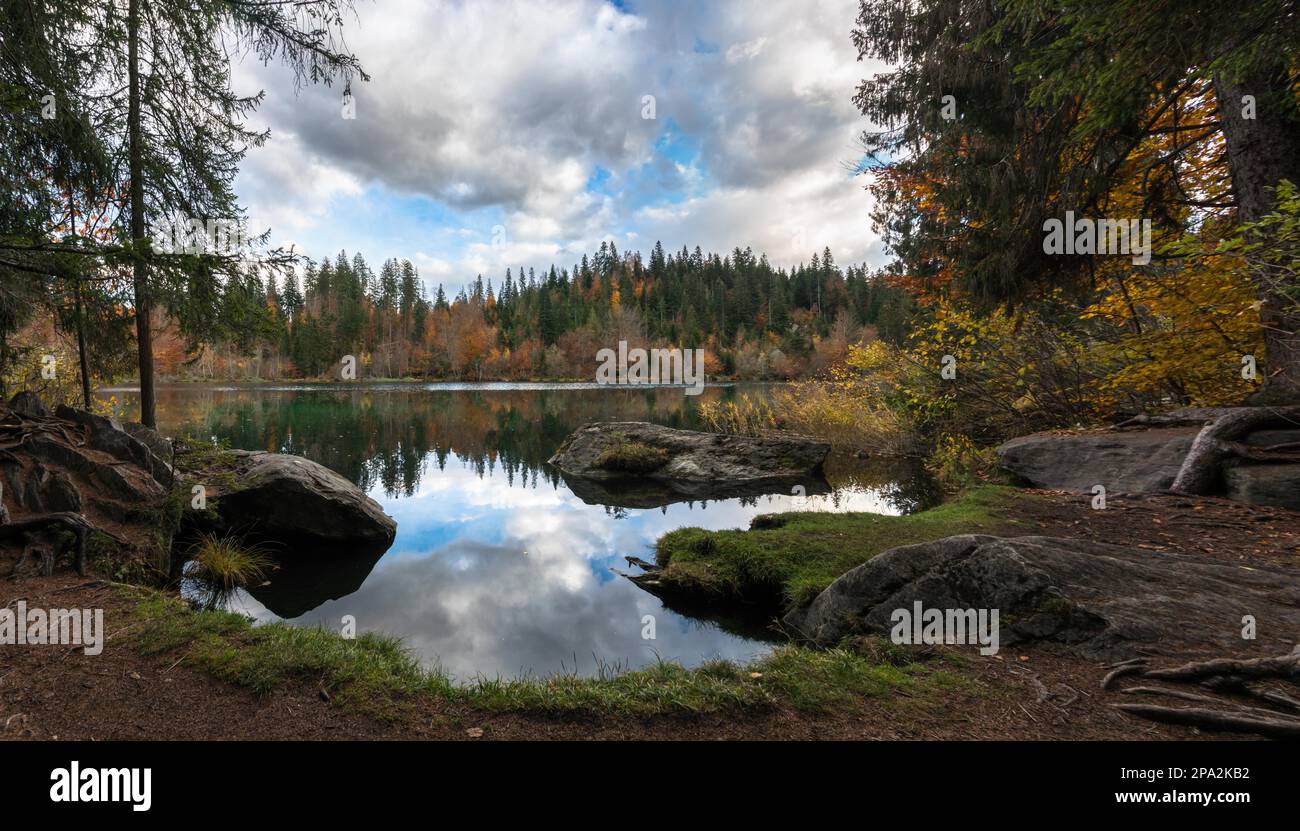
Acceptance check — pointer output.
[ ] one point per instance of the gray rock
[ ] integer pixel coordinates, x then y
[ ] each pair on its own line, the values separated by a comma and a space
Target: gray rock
29, 404
1103, 602
1264, 484
49, 490
1264, 438
690, 456
289, 498
1135, 461
122, 482
1145, 461
643, 493
13, 486
151, 438
106, 435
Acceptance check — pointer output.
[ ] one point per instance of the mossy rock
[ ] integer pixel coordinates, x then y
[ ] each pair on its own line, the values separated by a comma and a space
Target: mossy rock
624, 456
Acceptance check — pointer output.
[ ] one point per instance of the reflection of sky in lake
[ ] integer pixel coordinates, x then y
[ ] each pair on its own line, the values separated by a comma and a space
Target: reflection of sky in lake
497, 568
486, 578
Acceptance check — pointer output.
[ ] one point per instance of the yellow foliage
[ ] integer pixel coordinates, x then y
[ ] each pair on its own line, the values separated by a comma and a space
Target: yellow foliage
957, 462
746, 417
842, 411
1180, 333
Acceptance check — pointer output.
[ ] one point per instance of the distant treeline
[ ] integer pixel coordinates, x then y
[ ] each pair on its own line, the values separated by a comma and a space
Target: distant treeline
753, 320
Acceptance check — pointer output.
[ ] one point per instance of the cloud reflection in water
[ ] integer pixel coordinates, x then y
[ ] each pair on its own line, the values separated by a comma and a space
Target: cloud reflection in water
490, 579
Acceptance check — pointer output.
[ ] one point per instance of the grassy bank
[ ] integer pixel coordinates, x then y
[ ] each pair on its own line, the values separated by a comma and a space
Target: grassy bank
785, 559
374, 674
793, 554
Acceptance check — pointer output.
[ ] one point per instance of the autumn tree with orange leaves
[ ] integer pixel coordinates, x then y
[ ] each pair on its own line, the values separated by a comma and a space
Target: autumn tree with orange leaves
995, 118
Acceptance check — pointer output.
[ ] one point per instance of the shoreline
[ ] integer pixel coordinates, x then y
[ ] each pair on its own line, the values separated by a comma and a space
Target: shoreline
278, 680
375, 383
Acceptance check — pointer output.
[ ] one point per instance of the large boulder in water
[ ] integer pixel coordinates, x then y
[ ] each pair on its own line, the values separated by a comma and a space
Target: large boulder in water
1101, 601
692, 462
288, 498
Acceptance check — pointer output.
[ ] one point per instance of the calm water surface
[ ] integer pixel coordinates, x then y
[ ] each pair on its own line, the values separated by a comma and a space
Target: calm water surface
498, 568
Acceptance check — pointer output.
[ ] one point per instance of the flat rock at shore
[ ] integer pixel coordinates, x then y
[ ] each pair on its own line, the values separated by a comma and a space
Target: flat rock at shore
1145, 461
1137, 461
681, 464
1103, 602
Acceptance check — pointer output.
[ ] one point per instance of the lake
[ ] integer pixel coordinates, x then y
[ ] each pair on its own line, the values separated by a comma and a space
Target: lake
498, 568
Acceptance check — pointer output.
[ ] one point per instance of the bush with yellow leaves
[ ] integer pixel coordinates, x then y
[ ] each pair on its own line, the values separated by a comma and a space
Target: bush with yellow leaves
847, 410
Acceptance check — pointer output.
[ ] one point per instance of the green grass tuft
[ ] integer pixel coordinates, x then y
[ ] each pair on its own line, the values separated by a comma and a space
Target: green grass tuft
625, 456
786, 559
226, 562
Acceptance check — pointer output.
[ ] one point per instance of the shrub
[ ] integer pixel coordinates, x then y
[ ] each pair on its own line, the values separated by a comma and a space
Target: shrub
957, 462
226, 562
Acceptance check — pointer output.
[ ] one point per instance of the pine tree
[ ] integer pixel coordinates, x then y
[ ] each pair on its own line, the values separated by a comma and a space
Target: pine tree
164, 62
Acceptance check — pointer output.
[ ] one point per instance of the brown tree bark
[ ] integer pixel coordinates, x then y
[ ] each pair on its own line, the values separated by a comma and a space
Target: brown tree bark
81, 350
81, 318
143, 334
1262, 151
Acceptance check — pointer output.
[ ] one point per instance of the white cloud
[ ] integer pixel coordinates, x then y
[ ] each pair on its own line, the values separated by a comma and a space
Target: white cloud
744, 51
502, 112
289, 188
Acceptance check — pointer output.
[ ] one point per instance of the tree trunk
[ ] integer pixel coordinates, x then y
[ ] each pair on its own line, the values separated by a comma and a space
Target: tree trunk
1262, 151
81, 317
143, 334
81, 347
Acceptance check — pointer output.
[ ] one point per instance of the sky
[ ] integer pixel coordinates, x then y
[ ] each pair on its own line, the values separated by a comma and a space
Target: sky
497, 134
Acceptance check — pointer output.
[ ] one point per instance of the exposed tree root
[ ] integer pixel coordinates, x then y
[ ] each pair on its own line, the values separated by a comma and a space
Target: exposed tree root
1120, 671
16, 423
30, 528
1276, 728
1183, 694
1286, 667
1218, 441
1221, 675
1273, 697
1186, 417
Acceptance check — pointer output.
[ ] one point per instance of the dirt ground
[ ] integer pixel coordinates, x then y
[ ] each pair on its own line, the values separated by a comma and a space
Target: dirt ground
49, 692
1209, 526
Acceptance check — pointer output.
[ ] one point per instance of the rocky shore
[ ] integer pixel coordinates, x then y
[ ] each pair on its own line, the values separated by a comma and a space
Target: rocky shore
75, 485
1256, 463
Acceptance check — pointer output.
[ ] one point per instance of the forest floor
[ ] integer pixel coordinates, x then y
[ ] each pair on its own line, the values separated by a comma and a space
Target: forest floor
168, 673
